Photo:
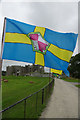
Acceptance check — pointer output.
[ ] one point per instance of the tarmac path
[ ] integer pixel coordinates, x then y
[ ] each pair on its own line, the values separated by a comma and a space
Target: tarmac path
63, 102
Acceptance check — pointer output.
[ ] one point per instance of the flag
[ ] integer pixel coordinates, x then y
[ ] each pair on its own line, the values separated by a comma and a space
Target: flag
38, 45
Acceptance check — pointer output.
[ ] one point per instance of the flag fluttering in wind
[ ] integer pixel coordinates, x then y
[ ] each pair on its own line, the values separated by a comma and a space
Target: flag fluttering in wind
38, 45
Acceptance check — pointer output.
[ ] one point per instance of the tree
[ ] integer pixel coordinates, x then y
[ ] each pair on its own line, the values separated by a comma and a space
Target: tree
3, 73
74, 66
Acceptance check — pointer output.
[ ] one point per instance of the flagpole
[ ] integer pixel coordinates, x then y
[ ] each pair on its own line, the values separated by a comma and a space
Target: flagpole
2, 42
3, 35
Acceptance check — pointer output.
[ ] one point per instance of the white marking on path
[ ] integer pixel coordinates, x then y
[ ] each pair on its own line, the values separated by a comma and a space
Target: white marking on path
63, 102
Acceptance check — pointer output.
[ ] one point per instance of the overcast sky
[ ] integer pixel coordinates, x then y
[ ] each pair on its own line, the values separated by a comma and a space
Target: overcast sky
58, 16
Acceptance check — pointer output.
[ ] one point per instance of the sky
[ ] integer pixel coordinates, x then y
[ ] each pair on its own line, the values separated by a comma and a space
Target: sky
61, 16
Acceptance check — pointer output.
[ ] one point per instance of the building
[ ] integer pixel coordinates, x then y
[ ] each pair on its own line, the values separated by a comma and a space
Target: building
24, 71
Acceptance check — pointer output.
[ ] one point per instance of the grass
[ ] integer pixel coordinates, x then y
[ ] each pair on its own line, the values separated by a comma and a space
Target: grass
18, 88
74, 80
77, 86
70, 79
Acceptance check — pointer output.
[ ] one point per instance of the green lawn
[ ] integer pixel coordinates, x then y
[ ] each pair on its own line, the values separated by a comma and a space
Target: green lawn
70, 79
77, 86
18, 88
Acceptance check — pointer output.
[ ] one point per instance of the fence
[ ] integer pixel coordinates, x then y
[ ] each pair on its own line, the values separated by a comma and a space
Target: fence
31, 106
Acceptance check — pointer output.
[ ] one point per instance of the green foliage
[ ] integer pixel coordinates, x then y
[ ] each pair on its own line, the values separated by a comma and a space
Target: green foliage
3, 73
74, 67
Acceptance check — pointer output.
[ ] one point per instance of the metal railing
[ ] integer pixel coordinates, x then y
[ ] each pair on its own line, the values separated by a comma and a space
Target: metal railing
30, 106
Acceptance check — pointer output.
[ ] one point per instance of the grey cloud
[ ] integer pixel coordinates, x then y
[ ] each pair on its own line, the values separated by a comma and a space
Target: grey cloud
10, 63
59, 16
